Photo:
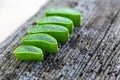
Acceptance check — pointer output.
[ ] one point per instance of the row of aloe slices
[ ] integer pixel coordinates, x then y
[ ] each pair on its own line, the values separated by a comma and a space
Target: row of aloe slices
55, 27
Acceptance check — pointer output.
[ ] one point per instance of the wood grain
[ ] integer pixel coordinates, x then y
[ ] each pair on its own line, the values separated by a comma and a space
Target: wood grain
92, 53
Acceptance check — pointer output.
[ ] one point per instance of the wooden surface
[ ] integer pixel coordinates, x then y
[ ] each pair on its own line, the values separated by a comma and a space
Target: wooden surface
92, 53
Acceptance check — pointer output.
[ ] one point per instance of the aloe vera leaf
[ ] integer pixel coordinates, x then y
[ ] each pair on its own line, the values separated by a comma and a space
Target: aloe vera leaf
41, 40
57, 20
60, 33
70, 13
28, 52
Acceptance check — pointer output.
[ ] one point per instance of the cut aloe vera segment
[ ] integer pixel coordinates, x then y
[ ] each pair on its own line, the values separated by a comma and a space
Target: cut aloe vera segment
41, 40
28, 52
70, 13
57, 20
60, 33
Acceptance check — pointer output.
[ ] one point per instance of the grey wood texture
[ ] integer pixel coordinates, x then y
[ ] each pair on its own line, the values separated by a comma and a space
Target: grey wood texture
92, 53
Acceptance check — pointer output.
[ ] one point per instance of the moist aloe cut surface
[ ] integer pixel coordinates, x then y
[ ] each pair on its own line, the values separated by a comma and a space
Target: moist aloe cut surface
28, 52
57, 20
41, 40
59, 32
70, 13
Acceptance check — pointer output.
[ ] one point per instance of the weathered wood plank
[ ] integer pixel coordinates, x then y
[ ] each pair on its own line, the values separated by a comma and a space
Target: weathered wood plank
93, 52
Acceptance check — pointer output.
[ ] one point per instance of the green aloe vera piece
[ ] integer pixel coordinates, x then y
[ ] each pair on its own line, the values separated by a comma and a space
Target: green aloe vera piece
70, 13
28, 52
60, 33
57, 20
41, 40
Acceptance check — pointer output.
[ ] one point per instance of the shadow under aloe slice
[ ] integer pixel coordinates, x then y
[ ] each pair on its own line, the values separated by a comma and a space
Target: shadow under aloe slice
57, 20
41, 40
28, 52
60, 33
70, 13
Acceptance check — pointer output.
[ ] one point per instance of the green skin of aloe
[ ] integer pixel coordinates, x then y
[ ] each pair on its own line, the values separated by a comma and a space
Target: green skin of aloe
57, 20
28, 52
43, 41
70, 13
60, 33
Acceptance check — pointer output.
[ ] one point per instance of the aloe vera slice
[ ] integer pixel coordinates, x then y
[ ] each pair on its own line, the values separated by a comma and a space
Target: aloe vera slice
57, 20
60, 33
27, 52
70, 13
41, 40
